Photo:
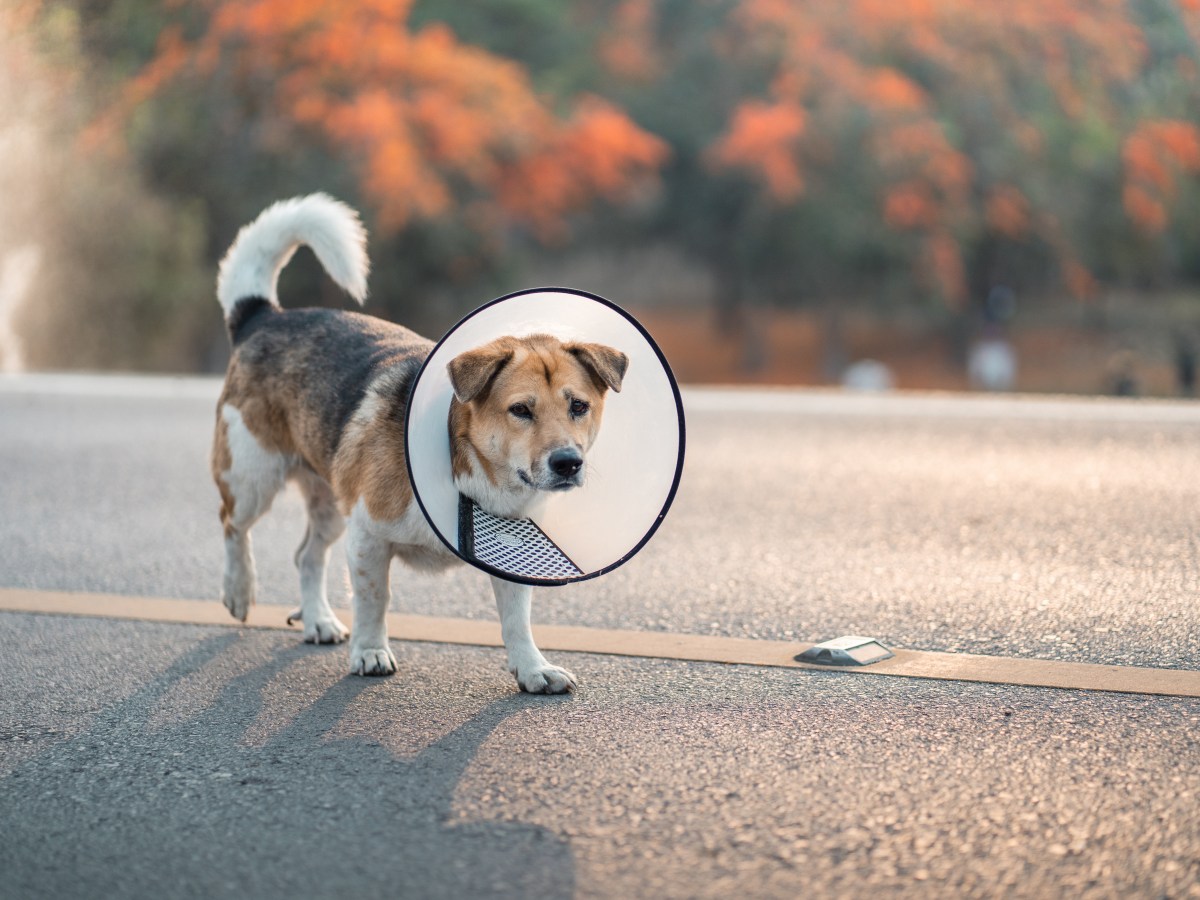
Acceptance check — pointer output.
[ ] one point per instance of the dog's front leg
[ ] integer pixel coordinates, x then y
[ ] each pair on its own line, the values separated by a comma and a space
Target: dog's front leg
369, 558
525, 660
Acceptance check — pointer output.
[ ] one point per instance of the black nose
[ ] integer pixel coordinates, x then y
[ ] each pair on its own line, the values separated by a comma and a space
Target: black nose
565, 462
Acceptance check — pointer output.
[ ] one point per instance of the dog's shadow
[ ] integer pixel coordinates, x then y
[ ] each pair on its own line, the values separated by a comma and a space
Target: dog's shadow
192, 810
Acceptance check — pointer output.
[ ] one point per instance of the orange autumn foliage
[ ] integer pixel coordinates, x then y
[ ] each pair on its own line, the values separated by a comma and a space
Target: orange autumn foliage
890, 90
764, 137
1008, 211
1189, 12
426, 120
941, 265
1146, 211
851, 62
627, 50
1079, 281
598, 153
1154, 155
909, 205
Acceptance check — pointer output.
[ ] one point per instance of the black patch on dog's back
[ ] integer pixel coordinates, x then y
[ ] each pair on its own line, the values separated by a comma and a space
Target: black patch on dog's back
243, 314
405, 376
325, 360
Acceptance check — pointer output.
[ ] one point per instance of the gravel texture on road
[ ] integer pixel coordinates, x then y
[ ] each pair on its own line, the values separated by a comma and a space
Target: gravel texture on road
164, 761
152, 760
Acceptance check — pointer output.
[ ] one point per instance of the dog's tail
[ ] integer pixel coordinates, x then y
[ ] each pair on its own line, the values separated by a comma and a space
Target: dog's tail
332, 229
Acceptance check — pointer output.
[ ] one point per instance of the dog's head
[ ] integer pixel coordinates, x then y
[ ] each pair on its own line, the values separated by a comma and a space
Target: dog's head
527, 410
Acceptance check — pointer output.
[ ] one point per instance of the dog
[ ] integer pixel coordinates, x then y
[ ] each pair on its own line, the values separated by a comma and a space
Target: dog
319, 397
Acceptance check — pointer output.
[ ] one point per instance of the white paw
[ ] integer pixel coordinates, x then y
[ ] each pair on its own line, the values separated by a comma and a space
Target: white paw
238, 602
372, 661
545, 679
324, 629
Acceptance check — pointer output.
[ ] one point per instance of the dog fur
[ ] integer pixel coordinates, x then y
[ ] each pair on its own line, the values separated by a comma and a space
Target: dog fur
319, 397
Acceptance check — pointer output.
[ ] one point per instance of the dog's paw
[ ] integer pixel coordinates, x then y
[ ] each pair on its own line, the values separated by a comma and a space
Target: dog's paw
372, 661
545, 679
327, 629
238, 603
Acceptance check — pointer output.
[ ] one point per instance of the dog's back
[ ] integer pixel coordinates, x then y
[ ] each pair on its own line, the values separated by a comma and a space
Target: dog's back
296, 376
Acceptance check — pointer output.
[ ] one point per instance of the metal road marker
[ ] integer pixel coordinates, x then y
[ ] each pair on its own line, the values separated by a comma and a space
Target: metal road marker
851, 650
656, 645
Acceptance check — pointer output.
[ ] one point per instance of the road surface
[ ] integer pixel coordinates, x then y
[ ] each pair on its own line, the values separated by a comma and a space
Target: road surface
141, 759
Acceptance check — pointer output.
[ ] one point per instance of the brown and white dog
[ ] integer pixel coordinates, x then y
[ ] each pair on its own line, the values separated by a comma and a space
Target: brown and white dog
319, 397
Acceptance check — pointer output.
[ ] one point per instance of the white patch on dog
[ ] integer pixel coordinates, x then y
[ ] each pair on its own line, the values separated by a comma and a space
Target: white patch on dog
254, 477
511, 502
255, 474
373, 405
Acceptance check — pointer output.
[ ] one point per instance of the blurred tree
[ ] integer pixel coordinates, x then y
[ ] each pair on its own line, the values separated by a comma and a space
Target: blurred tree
450, 147
916, 150
116, 276
977, 120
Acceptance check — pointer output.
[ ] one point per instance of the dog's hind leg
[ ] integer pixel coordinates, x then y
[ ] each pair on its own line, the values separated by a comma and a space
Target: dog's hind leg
325, 526
248, 477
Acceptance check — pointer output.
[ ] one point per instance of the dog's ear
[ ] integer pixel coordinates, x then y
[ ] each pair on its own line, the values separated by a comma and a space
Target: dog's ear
604, 363
471, 373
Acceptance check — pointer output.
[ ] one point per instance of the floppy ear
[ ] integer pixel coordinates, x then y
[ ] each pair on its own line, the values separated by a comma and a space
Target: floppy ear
472, 372
605, 364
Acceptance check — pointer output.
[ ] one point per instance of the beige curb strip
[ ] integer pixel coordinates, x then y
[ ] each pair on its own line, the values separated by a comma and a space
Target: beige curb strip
651, 644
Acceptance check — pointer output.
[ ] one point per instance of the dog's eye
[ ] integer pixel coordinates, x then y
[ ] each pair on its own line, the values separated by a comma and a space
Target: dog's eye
579, 407
521, 411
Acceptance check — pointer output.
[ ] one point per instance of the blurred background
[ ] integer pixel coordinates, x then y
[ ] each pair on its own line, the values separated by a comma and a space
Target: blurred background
877, 193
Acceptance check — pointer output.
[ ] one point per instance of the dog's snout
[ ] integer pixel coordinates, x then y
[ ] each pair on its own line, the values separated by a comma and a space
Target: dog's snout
565, 463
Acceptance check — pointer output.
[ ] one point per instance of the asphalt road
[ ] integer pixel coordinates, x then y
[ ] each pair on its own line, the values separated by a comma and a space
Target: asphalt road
141, 760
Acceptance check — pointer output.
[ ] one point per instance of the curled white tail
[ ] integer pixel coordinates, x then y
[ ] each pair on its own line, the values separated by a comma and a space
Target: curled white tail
262, 248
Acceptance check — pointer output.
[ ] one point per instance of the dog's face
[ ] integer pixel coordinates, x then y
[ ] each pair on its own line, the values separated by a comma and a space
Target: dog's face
527, 410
